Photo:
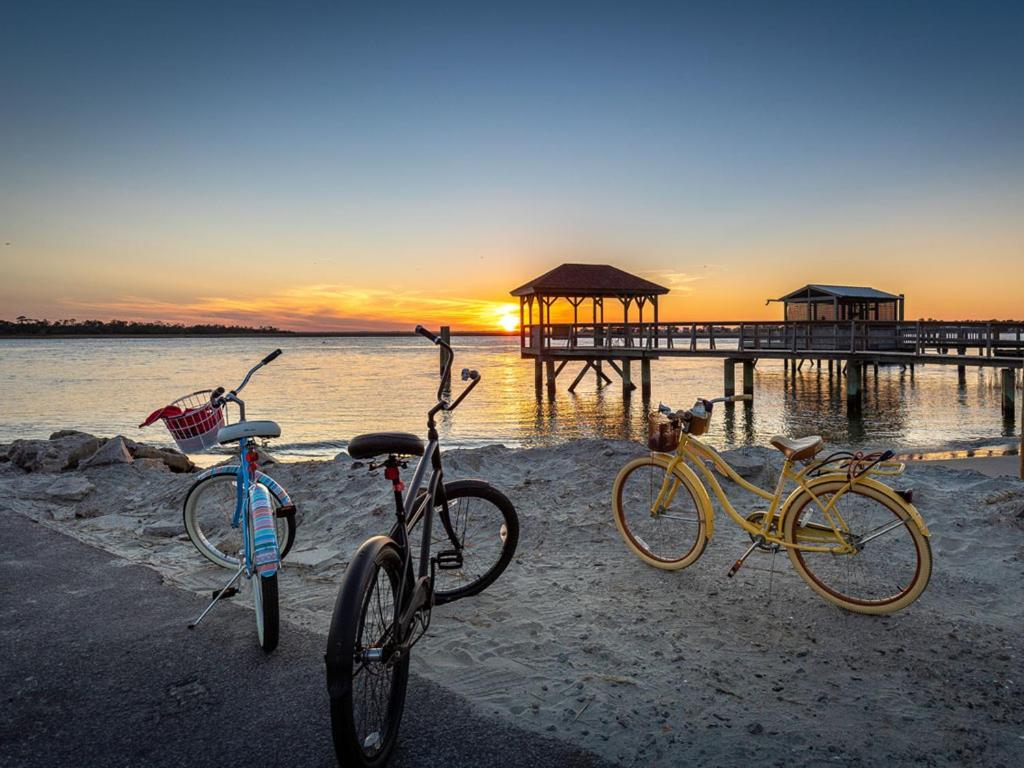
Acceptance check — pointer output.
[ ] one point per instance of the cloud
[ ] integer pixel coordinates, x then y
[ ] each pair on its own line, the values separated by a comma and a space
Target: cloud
679, 282
328, 307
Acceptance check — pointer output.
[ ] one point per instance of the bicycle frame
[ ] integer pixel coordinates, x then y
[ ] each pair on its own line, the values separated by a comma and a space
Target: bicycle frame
816, 537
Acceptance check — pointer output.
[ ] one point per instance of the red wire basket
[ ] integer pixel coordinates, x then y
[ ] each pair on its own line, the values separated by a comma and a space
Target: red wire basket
195, 428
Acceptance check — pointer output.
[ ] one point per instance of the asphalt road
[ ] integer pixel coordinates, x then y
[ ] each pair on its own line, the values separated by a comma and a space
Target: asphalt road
97, 668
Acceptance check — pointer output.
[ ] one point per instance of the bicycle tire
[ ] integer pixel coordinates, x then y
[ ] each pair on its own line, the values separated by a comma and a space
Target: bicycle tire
671, 540
208, 524
487, 533
365, 618
268, 617
902, 556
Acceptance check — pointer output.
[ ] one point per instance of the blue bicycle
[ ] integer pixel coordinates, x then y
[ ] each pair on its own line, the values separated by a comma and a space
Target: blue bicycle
237, 516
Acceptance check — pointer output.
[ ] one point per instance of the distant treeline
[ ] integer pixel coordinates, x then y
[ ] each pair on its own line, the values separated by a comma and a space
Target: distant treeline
27, 326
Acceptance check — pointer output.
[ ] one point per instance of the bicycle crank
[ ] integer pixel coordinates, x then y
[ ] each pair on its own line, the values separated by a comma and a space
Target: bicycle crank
757, 518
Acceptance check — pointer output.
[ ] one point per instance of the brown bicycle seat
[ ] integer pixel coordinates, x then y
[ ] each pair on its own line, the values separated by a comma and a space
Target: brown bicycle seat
798, 449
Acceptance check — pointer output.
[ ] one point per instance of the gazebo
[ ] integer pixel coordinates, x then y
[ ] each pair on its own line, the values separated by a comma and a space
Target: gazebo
577, 284
841, 302
594, 340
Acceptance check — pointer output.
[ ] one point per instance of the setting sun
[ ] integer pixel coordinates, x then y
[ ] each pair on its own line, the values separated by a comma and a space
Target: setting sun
509, 321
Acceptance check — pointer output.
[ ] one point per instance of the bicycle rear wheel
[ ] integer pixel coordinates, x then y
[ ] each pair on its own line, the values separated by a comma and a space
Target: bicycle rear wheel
367, 673
676, 534
891, 562
486, 532
208, 511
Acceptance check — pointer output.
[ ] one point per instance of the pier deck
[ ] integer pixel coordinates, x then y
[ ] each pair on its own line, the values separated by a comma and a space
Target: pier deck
852, 345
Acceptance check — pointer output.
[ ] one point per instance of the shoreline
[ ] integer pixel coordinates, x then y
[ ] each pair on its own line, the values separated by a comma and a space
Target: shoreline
580, 640
246, 335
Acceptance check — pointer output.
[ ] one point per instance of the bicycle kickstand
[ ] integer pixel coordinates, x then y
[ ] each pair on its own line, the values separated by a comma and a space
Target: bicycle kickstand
739, 563
227, 591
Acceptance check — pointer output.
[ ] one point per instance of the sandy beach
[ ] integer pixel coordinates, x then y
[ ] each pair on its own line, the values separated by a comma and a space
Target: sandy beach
581, 641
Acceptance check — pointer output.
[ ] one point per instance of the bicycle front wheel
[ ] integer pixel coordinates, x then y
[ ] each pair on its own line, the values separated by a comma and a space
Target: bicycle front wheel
890, 561
268, 618
483, 528
367, 670
209, 510
670, 535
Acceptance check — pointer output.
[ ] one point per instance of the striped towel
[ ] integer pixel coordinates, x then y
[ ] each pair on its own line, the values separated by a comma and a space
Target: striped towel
265, 553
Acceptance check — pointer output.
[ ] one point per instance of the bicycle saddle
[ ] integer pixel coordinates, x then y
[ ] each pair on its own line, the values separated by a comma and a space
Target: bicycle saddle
799, 448
377, 443
234, 432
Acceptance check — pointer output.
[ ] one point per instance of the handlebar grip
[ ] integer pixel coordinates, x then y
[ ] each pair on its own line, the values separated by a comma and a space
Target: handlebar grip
271, 357
741, 398
427, 334
470, 373
216, 395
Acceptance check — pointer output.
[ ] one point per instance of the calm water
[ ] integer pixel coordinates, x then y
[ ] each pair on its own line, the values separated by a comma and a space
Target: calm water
324, 391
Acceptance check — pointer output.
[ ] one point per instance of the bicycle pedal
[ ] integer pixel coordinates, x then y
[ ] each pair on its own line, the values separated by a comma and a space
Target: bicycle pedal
219, 595
448, 560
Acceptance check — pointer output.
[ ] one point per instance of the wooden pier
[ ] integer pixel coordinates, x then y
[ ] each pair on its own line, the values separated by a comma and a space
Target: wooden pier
850, 346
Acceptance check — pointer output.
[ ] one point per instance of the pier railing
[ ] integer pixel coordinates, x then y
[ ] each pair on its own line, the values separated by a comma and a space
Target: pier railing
986, 339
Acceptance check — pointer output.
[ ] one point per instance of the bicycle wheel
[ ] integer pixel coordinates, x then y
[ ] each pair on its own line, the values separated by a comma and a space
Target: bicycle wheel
673, 538
486, 533
268, 620
209, 508
366, 672
892, 560
264, 600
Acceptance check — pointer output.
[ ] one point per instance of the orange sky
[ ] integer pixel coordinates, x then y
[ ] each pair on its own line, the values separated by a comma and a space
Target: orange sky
472, 293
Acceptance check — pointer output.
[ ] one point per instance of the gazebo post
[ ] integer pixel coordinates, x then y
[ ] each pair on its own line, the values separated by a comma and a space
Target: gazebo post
654, 301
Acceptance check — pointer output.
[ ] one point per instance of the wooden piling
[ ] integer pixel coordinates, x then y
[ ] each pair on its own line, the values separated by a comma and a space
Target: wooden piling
748, 377
538, 376
1009, 382
627, 378
446, 337
854, 385
645, 378
550, 366
730, 377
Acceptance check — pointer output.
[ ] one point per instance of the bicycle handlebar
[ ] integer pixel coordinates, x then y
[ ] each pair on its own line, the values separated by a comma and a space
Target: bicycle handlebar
468, 374
428, 335
217, 397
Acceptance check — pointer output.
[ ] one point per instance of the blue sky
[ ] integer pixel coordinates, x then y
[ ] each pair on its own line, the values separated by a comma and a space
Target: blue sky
458, 150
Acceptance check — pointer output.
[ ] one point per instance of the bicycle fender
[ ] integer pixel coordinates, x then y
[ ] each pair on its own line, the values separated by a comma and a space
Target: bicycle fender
337, 685
869, 482
693, 482
263, 479
266, 556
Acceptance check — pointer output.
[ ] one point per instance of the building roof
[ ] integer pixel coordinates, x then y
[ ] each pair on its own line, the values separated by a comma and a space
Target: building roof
840, 292
589, 280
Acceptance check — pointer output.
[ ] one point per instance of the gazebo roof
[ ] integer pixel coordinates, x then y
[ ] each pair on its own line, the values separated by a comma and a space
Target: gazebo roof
589, 280
839, 292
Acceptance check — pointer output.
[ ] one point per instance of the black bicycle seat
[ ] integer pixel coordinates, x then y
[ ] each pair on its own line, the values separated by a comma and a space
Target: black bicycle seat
378, 443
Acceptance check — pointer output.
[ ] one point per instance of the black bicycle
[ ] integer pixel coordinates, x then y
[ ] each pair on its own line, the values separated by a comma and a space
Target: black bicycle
383, 609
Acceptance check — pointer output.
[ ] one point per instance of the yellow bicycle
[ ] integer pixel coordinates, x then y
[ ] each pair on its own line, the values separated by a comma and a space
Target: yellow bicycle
855, 541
